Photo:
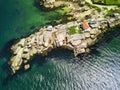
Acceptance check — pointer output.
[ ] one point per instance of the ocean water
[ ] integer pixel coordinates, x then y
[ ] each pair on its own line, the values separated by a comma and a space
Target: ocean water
58, 71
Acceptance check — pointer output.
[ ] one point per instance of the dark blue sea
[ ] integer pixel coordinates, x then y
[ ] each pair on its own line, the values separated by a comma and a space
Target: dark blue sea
99, 70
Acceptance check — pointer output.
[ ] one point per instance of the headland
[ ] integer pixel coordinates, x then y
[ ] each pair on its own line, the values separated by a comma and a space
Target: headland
85, 24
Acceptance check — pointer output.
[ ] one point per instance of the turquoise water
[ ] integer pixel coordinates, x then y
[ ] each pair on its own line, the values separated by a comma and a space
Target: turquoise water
97, 71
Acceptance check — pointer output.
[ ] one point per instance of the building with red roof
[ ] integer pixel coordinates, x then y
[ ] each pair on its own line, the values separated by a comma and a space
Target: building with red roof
85, 26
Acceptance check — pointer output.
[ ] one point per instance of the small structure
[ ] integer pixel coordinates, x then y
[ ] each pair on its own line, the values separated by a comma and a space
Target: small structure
85, 26
93, 24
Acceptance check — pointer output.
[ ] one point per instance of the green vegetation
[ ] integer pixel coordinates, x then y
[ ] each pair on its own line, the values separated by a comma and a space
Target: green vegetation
112, 2
63, 19
62, 16
109, 12
73, 30
93, 6
104, 8
64, 10
107, 2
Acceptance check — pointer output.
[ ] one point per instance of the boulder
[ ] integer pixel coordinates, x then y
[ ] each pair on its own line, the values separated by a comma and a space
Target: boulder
74, 43
25, 61
60, 43
49, 28
92, 36
68, 46
26, 56
34, 50
46, 44
93, 31
48, 4
17, 50
78, 51
27, 66
89, 41
19, 44
83, 36
82, 50
26, 50
87, 50
87, 35
83, 44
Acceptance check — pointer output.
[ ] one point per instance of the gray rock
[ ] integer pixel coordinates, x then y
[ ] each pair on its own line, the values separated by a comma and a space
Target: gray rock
27, 66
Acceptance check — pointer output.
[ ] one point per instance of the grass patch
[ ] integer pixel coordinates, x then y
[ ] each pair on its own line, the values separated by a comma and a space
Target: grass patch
73, 30
104, 8
109, 12
62, 16
107, 2
64, 19
93, 6
112, 2
64, 10
80, 31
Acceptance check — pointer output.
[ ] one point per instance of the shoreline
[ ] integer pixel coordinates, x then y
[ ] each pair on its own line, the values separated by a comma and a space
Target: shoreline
62, 35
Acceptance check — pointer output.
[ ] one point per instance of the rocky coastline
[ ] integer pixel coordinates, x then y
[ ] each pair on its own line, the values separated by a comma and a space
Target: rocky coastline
51, 37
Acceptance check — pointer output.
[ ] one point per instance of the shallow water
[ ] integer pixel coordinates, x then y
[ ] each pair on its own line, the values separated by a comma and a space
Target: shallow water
97, 71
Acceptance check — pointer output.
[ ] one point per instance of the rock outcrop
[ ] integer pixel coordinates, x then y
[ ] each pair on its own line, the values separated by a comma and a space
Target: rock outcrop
51, 4
48, 38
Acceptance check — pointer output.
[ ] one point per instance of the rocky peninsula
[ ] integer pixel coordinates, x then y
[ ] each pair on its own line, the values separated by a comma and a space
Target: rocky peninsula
77, 35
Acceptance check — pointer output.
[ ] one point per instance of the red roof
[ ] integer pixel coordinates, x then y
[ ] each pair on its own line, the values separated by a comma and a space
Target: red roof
85, 25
